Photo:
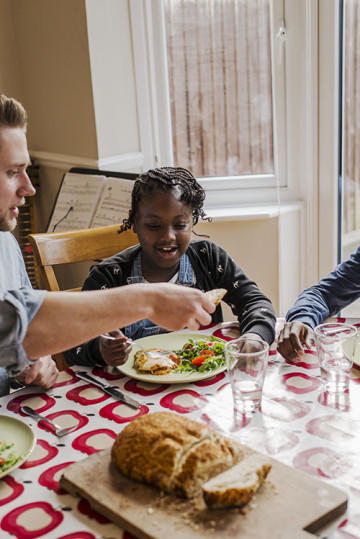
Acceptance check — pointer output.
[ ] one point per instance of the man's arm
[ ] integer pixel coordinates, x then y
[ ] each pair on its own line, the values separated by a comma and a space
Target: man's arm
66, 319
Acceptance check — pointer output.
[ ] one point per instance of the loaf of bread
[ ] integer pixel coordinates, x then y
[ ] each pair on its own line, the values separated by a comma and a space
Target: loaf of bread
173, 453
237, 486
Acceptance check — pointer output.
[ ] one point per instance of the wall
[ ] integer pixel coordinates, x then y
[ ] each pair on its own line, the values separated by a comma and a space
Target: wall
265, 250
9, 72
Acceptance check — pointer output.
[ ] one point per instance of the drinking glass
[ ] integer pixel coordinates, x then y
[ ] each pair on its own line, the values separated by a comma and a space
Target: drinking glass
335, 346
246, 363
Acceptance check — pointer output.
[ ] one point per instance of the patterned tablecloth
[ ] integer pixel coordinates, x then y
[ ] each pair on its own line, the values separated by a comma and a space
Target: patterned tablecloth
298, 424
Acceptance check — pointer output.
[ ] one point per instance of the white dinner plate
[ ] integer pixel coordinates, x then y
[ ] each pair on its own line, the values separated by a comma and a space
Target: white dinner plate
167, 341
22, 437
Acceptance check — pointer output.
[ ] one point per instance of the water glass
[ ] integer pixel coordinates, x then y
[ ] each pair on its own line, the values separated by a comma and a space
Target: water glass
246, 363
335, 346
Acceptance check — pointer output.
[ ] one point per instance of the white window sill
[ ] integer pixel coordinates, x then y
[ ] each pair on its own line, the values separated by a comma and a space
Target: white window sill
244, 213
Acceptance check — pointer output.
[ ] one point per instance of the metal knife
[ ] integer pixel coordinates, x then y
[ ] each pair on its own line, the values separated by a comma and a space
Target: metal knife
113, 391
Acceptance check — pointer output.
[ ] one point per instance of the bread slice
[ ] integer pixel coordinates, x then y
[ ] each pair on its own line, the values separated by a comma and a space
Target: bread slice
237, 486
216, 294
173, 453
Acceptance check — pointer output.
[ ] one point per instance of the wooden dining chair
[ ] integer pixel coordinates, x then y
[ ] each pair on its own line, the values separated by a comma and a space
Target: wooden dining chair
93, 244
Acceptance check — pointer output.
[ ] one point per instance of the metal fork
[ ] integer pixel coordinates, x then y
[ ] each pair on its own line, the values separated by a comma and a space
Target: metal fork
59, 431
114, 334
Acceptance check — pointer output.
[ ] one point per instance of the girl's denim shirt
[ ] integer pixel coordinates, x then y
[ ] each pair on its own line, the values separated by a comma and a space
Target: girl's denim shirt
144, 328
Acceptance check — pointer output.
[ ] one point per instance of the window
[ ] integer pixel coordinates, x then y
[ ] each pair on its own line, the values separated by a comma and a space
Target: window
211, 74
219, 70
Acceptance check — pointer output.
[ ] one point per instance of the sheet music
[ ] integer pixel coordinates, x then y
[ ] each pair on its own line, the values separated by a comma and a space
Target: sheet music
77, 201
115, 202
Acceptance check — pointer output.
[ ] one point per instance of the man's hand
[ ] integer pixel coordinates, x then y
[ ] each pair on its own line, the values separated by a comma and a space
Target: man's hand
42, 372
175, 307
292, 337
114, 348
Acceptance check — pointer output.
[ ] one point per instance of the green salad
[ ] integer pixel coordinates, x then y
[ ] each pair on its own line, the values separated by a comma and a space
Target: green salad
8, 458
201, 355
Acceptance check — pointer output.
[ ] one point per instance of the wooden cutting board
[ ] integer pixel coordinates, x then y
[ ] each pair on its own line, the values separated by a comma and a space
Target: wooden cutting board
290, 503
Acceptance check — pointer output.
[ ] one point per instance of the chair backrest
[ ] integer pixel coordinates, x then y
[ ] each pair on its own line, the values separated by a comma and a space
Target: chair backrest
53, 248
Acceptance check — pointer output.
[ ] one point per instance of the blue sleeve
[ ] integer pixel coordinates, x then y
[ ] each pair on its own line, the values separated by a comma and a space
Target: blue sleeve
21, 268
333, 293
17, 309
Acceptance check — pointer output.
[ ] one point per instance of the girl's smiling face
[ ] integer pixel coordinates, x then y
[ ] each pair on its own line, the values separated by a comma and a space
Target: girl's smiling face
163, 225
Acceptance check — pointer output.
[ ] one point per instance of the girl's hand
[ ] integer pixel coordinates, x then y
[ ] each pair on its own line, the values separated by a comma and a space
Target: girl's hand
114, 348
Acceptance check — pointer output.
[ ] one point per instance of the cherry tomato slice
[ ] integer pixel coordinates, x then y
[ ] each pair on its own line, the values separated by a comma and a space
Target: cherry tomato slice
199, 360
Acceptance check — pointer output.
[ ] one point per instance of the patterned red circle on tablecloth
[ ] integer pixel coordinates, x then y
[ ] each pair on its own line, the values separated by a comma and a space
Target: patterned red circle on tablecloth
197, 400
308, 361
284, 409
11, 492
240, 421
47, 478
65, 378
228, 332
16, 520
110, 376
332, 427
38, 457
78, 394
122, 413
84, 442
22, 400
300, 383
78, 535
270, 440
322, 462
143, 388
70, 418
211, 381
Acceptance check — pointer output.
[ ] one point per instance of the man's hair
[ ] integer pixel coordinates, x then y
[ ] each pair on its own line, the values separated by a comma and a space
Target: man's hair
167, 179
12, 113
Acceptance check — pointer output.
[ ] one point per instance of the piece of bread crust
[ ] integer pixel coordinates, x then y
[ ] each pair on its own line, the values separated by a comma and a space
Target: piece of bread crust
237, 486
173, 453
216, 295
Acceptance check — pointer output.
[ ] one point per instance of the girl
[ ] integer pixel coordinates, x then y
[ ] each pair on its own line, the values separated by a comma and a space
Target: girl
166, 203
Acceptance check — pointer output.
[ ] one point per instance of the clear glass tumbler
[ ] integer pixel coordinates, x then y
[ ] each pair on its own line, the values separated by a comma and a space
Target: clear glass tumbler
246, 363
335, 346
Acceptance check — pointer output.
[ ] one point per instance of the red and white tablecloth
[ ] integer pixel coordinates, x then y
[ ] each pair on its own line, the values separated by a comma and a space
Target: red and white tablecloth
297, 424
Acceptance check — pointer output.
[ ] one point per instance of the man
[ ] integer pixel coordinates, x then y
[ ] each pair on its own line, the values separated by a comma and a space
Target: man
57, 319
333, 293
14, 186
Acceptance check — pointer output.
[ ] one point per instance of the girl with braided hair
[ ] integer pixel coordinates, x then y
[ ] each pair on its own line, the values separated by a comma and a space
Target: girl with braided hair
166, 204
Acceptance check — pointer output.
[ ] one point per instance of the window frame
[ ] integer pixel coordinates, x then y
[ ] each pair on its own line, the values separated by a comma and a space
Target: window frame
148, 20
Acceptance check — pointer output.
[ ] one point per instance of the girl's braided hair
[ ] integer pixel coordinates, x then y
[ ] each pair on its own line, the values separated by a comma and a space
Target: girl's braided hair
167, 179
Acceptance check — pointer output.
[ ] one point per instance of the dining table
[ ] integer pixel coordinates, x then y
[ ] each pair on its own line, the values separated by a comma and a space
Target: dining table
297, 424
